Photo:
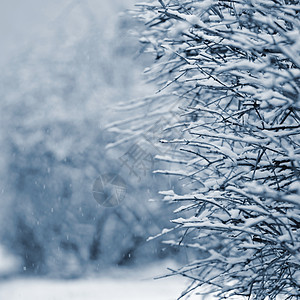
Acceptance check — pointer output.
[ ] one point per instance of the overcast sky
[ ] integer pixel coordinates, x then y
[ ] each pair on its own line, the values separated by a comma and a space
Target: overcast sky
23, 21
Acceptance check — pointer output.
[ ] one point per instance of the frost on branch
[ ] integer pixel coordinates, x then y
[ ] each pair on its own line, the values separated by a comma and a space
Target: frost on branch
229, 84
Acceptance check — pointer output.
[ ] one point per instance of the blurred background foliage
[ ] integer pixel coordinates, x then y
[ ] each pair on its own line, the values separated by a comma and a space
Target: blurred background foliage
57, 97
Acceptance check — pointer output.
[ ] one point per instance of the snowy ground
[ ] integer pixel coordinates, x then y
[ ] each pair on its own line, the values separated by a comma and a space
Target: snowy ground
116, 284
23, 289
136, 285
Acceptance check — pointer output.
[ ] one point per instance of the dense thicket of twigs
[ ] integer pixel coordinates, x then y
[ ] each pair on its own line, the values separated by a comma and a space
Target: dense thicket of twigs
231, 71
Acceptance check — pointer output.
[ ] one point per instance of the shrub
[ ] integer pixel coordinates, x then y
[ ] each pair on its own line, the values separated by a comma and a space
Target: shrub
228, 77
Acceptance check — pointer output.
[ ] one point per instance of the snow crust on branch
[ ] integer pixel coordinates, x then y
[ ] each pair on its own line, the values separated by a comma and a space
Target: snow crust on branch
228, 82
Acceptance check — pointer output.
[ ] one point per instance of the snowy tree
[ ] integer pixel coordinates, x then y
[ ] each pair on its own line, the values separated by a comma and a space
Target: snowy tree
229, 94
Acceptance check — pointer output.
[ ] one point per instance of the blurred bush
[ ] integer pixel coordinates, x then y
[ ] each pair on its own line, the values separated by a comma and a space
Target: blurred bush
55, 97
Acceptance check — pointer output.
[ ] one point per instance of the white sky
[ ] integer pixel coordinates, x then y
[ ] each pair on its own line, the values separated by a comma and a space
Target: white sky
22, 21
